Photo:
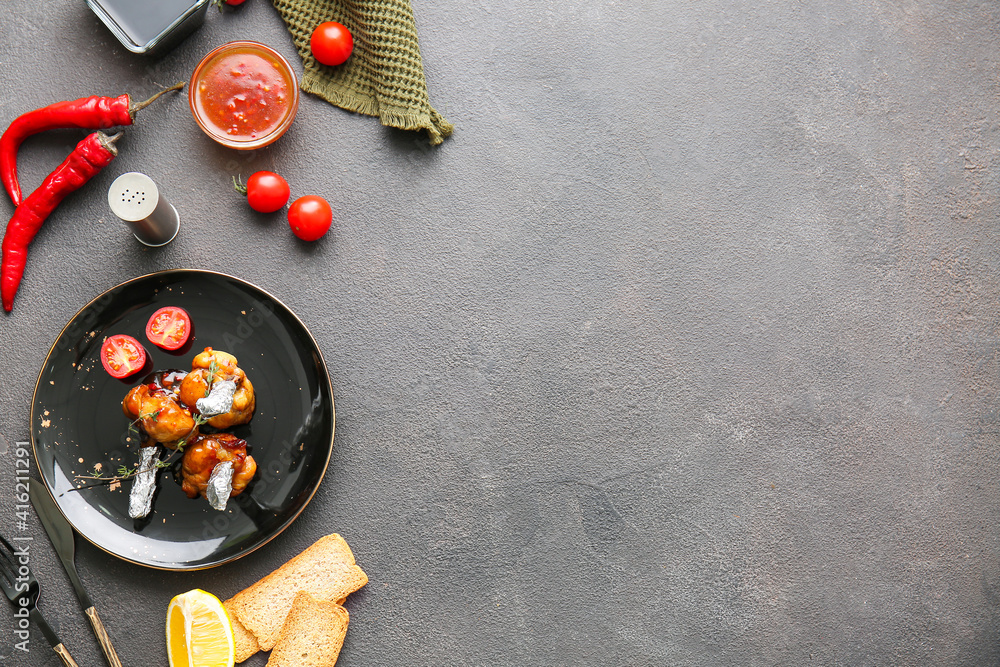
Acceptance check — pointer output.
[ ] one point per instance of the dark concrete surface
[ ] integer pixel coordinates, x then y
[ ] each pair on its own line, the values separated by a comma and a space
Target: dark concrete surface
681, 351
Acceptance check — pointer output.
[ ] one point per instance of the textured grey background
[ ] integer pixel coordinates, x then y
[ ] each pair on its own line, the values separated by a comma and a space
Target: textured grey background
682, 351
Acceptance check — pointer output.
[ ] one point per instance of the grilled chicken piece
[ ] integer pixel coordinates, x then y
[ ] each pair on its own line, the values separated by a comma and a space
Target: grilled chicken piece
158, 413
207, 451
208, 369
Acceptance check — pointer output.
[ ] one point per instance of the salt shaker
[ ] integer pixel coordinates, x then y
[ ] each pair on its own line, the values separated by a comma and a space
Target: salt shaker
135, 199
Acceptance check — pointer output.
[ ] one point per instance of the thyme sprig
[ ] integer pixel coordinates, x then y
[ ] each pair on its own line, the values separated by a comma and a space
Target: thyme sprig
133, 427
213, 369
123, 473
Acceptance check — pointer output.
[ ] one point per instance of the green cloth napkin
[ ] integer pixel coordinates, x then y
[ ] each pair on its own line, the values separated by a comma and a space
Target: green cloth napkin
384, 76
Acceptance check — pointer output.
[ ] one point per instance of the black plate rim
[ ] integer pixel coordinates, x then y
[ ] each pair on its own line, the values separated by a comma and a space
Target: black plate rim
167, 272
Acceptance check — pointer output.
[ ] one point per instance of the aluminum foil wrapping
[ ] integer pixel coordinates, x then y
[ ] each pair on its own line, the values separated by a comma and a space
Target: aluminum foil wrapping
140, 498
220, 485
219, 400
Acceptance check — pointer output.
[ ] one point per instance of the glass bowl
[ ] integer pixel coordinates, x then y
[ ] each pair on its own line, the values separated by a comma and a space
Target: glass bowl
243, 95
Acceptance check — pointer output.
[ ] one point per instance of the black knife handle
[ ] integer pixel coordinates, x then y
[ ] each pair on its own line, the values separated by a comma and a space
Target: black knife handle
64, 655
102, 636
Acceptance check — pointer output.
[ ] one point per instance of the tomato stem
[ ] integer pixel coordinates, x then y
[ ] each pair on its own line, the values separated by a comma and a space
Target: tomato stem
240, 186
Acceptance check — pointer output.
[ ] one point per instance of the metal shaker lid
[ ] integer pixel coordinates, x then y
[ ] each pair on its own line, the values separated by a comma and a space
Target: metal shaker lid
133, 196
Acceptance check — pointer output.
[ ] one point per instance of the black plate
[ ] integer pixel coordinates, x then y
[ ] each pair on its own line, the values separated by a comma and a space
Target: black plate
77, 420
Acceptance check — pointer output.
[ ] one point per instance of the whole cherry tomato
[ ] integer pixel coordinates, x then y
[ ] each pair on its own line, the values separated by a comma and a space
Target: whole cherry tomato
266, 191
310, 217
169, 327
331, 43
122, 356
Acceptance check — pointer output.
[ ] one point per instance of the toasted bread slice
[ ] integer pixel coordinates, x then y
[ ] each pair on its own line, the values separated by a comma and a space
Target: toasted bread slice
246, 643
313, 634
326, 570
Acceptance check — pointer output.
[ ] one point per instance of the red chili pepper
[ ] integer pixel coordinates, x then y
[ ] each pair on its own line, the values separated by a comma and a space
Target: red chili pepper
88, 158
89, 113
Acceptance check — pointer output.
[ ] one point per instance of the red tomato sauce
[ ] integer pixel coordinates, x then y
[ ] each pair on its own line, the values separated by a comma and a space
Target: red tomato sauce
243, 94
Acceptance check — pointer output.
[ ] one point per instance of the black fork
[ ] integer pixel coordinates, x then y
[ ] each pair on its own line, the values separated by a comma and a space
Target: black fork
22, 589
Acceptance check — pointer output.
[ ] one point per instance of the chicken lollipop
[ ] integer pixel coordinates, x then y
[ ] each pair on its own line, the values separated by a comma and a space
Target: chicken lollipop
218, 389
156, 409
217, 467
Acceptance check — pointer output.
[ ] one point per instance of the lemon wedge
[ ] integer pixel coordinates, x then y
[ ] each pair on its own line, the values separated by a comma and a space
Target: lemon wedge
199, 632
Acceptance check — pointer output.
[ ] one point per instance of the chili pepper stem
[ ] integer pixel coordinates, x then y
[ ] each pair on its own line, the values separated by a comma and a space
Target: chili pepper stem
142, 105
109, 142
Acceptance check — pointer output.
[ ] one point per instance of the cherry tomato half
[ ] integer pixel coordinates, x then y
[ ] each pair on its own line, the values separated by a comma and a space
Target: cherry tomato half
331, 43
267, 192
122, 356
169, 327
310, 217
